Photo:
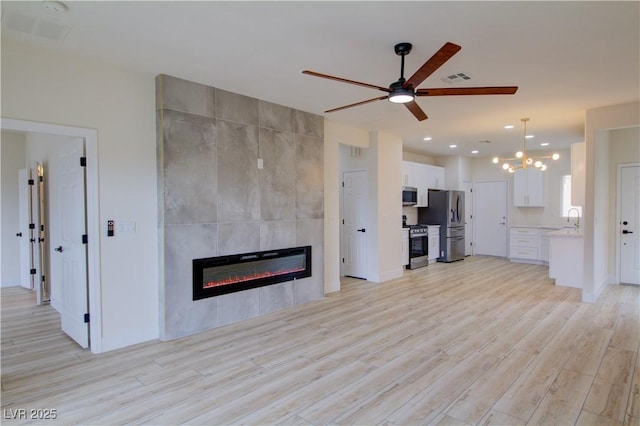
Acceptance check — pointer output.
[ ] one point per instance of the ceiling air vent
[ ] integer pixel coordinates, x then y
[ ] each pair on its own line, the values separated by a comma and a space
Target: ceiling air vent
455, 78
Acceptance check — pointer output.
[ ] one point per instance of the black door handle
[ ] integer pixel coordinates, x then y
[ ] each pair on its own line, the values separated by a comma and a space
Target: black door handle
59, 248
361, 230
19, 234
624, 231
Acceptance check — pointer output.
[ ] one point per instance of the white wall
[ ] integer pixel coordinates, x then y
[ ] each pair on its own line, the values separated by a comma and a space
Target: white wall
457, 170
52, 87
389, 182
418, 158
12, 159
383, 160
549, 215
596, 212
624, 148
334, 135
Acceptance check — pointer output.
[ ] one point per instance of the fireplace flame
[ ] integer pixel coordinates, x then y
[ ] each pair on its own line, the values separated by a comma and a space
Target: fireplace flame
250, 277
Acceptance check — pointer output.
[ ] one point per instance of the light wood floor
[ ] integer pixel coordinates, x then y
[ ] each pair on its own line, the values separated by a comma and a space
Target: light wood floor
481, 341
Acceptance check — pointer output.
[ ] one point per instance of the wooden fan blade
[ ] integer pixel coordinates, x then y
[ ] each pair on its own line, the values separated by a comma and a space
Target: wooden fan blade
452, 91
416, 110
344, 80
436, 61
357, 103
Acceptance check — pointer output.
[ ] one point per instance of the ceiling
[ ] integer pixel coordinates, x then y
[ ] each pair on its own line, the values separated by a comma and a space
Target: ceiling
566, 57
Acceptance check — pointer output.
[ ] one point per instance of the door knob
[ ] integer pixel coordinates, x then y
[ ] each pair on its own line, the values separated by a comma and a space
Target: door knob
624, 231
502, 223
19, 234
59, 248
361, 230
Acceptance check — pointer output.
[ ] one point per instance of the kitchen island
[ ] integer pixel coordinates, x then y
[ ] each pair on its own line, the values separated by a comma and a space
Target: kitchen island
566, 251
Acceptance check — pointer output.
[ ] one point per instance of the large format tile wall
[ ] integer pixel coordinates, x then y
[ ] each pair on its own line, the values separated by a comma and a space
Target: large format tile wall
214, 201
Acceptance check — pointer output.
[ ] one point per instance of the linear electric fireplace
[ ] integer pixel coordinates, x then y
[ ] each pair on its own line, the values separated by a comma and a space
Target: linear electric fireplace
214, 276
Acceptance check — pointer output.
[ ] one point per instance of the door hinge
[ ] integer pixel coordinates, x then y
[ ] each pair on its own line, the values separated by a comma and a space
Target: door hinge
85, 239
31, 182
83, 161
343, 260
32, 271
86, 317
343, 184
343, 221
44, 278
32, 226
41, 178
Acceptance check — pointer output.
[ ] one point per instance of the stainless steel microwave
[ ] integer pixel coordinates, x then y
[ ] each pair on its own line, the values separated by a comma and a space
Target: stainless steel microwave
409, 196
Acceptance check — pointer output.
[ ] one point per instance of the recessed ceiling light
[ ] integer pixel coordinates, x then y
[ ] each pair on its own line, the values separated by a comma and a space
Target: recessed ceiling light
428, 138
509, 126
475, 151
452, 146
529, 136
544, 144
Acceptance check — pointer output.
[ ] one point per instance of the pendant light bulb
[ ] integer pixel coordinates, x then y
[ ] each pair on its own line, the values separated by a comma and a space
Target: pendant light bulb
519, 154
505, 166
495, 160
555, 156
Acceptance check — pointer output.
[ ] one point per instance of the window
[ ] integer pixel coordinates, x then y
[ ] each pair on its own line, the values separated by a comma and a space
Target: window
566, 198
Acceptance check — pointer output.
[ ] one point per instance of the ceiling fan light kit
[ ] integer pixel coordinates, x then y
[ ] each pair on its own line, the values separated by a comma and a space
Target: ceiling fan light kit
522, 160
404, 91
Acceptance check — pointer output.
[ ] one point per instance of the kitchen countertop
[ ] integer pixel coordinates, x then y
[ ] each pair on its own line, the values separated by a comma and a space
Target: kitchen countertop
567, 232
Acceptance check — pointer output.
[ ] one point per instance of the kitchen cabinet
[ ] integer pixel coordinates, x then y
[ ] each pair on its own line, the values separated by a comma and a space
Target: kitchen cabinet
523, 244
433, 234
543, 248
528, 188
423, 177
566, 248
529, 244
405, 246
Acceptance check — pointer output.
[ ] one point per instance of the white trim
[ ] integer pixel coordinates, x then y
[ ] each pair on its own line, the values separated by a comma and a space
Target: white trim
93, 214
618, 216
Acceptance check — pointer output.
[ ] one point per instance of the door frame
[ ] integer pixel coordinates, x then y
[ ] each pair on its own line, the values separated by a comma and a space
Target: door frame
94, 284
619, 214
342, 236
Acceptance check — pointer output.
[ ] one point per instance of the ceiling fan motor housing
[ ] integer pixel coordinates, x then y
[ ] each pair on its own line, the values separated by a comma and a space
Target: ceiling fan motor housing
403, 48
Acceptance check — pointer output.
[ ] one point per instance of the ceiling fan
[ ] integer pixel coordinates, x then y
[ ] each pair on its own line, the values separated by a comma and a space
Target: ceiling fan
404, 91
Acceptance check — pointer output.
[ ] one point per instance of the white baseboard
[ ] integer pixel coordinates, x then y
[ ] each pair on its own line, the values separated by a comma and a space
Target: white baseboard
593, 297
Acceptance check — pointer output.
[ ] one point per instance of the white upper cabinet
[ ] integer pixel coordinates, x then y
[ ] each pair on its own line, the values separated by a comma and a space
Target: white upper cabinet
528, 188
424, 177
435, 177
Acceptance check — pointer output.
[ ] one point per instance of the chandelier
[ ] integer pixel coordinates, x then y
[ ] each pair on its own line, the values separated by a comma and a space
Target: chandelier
522, 160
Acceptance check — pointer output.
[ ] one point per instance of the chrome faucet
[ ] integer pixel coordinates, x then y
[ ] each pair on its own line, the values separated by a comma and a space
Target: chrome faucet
578, 216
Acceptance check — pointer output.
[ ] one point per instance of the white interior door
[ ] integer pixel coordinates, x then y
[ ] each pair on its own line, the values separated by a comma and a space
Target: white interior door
490, 218
630, 225
68, 253
24, 233
354, 229
468, 218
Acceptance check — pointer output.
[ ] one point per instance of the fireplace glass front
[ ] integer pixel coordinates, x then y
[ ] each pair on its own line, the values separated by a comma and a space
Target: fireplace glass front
215, 276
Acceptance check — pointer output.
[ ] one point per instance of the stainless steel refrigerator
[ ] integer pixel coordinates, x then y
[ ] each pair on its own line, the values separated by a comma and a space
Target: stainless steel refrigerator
446, 208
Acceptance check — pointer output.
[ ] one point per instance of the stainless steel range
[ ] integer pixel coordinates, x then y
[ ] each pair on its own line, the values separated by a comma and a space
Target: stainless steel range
418, 246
